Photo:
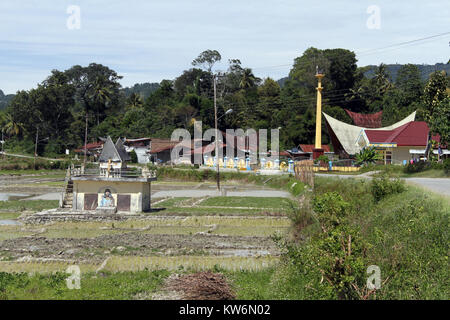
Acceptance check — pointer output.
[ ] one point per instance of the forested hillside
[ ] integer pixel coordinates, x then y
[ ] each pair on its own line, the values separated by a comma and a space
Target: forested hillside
58, 107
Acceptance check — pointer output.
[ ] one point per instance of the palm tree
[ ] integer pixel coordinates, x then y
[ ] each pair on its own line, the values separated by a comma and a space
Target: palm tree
382, 78
248, 79
10, 126
101, 94
135, 101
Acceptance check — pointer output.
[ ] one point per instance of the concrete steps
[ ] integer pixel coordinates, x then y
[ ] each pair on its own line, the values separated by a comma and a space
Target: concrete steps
68, 195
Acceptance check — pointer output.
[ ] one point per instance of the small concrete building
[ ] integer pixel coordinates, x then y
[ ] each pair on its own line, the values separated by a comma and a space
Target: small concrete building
110, 188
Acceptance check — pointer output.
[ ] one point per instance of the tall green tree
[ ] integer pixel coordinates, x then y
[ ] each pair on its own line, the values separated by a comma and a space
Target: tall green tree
207, 59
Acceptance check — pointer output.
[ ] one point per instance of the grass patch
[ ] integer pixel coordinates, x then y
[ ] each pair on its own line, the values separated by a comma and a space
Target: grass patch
243, 206
28, 205
117, 286
188, 263
252, 285
9, 215
35, 173
256, 202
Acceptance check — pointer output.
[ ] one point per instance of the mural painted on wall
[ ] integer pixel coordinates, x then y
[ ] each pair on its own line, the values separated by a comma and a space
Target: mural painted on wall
107, 199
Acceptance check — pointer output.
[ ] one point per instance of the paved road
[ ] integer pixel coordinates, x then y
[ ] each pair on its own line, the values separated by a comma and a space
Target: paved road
438, 185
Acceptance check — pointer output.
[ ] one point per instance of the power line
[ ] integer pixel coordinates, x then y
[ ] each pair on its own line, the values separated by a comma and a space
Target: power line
404, 43
365, 52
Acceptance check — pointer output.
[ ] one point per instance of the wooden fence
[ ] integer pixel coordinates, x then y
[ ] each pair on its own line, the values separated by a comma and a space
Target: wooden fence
304, 171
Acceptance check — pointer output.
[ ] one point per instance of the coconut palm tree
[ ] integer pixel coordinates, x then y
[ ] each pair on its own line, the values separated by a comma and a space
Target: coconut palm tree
101, 93
135, 101
10, 126
248, 79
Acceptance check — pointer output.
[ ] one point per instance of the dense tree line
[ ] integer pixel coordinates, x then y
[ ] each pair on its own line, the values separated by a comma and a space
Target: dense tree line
64, 104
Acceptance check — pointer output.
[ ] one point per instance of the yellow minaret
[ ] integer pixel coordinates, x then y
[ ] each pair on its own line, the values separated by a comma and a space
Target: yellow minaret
318, 145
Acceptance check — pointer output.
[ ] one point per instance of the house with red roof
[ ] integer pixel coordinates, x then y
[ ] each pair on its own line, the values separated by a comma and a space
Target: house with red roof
92, 149
399, 144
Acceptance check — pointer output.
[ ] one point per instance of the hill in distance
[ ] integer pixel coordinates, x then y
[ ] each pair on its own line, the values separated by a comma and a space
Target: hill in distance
425, 70
5, 99
143, 89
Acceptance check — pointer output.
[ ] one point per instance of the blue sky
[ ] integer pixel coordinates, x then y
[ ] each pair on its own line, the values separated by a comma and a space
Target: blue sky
147, 41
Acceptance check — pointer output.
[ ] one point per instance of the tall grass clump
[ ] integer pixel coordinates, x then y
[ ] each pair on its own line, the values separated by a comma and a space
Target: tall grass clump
384, 186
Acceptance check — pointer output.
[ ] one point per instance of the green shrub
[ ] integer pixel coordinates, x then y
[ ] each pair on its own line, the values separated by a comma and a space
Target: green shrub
367, 156
417, 167
446, 165
322, 158
330, 208
384, 186
133, 156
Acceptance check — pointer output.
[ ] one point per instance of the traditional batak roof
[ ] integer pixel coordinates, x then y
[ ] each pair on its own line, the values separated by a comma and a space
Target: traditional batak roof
121, 149
344, 136
366, 120
114, 152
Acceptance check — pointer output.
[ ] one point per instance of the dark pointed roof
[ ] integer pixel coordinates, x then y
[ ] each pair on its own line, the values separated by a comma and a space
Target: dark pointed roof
114, 152
121, 149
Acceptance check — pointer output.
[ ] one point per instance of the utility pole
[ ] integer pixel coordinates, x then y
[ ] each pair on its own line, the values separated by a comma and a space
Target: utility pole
35, 147
217, 135
3, 145
85, 140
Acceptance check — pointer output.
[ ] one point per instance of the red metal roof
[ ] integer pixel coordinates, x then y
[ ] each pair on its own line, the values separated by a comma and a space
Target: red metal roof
366, 120
308, 148
414, 133
207, 149
90, 146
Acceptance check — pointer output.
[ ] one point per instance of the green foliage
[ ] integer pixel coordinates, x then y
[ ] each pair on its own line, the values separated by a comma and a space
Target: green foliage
57, 108
405, 234
447, 165
439, 120
28, 205
14, 163
331, 209
417, 167
119, 286
133, 156
322, 158
384, 186
367, 156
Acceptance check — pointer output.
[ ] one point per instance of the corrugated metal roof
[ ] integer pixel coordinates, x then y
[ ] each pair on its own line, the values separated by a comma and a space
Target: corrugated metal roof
309, 148
414, 133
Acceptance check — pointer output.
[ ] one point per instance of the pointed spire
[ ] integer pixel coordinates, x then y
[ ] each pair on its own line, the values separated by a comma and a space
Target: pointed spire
114, 152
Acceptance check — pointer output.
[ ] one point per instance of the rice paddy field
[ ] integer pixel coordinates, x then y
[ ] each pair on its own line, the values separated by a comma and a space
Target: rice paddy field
180, 235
